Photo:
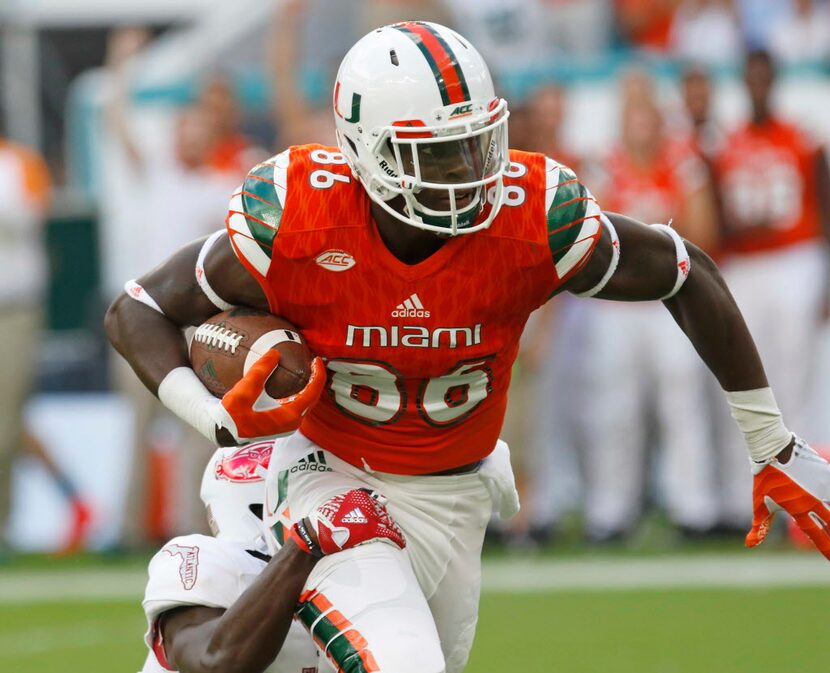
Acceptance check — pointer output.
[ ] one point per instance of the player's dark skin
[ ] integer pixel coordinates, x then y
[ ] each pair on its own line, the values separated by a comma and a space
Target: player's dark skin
248, 636
704, 308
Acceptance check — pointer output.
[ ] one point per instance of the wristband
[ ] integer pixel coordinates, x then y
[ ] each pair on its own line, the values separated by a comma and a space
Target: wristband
302, 538
185, 395
759, 419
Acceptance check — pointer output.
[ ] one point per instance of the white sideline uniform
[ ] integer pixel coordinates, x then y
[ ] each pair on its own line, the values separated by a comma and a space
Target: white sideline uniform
640, 360
780, 294
209, 571
415, 609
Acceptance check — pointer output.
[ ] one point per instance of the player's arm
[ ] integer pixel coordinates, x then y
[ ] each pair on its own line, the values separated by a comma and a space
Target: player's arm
611, 256
145, 324
247, 636
151, 339
650, 263
703, 306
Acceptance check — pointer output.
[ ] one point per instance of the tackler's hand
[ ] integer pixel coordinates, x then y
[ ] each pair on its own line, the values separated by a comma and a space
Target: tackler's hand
800, 487
254, 414
347, 520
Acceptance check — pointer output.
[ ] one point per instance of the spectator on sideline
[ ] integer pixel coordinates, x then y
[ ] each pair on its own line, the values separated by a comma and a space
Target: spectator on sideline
579, 28
175, 194
24, 202
546, 114
705, 133
233, 152
512, 35
646, 24
636, 368
758, 20
81, 513
536, 422
706, 136
706, 31
774, 187
805, 36
297, 119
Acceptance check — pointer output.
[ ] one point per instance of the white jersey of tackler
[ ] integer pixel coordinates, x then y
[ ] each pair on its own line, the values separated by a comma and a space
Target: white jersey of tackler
212, 572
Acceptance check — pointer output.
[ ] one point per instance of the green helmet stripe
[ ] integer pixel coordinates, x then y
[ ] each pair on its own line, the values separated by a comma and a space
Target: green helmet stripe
452, 84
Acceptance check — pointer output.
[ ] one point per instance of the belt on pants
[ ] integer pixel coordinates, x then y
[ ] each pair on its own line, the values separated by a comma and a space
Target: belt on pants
461, 469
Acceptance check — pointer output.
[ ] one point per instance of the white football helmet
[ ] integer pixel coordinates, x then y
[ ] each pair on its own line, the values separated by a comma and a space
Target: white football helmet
417, 117
233, 490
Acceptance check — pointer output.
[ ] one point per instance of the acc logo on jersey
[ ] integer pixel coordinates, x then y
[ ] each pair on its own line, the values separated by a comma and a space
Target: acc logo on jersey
335, 260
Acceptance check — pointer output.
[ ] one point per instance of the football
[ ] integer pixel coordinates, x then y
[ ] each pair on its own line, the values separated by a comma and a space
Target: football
223, 349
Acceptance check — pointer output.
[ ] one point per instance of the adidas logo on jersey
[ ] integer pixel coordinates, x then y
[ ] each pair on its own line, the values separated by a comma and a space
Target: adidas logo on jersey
355, 516
313, 462
411, 307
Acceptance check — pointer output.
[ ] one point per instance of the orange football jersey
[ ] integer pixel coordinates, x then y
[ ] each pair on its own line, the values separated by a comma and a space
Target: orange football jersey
656, 193
766, 177
418, 356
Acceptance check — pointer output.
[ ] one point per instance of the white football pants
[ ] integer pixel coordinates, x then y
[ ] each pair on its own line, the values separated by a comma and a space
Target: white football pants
780, 295
376, 607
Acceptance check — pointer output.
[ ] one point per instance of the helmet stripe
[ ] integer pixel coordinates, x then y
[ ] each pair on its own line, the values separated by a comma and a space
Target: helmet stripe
445, 66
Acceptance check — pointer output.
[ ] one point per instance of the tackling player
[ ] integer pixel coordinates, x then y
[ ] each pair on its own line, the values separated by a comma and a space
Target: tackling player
224, 603
411, 258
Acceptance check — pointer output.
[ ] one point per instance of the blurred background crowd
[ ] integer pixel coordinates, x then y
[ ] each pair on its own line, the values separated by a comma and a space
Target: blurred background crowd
125, 127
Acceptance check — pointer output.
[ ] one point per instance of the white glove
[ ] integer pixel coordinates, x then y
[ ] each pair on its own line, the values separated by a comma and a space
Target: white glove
801, 487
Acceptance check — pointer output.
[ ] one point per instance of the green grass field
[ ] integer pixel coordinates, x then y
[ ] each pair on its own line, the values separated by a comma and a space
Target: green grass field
631, 620
655, 631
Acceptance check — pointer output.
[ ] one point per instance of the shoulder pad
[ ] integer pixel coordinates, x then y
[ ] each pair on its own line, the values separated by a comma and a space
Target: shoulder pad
256, 209
198, 570
573, 218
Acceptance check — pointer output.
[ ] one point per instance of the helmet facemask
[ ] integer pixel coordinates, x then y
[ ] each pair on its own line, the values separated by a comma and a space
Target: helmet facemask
449, 175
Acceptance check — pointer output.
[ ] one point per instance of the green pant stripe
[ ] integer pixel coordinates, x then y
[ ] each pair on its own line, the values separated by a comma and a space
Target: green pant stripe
329, 636
282, 496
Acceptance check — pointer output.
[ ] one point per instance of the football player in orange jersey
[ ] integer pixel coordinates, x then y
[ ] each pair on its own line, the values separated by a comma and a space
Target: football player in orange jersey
411, 257
774, 189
